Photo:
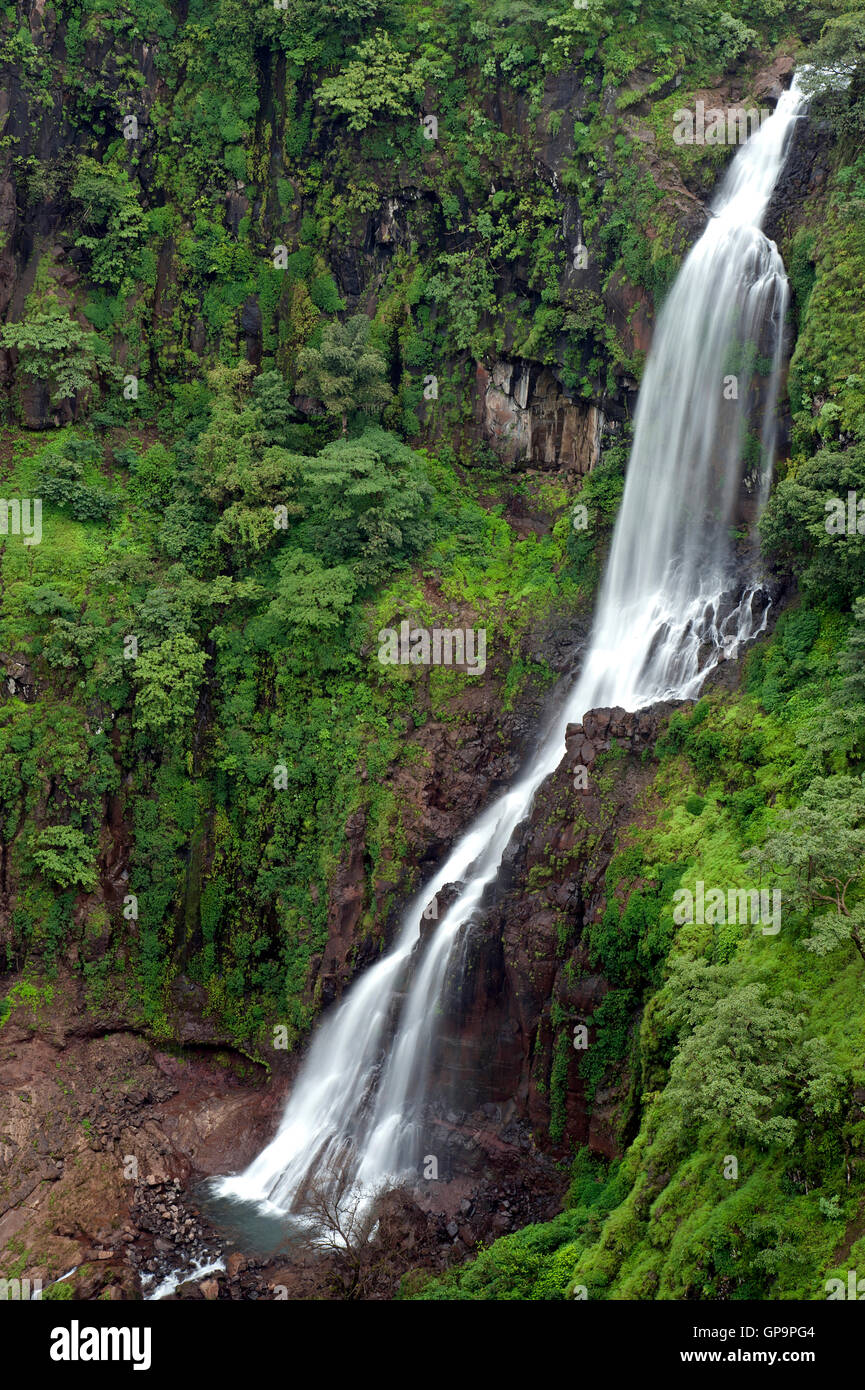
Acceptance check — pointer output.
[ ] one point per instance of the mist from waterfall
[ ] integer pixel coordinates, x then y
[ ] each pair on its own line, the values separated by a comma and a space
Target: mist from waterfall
674, 601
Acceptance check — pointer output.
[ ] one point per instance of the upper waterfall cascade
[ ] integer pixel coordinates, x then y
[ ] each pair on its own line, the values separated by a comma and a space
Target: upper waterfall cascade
674, 601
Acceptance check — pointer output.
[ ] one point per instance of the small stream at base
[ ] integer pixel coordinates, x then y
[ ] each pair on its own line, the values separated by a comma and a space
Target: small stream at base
264, 1235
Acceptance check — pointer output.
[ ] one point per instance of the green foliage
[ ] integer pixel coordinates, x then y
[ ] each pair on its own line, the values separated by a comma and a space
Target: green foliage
272, 399
559, 1086
254, 555
774, 673
325, 295
465, 287
818, 852
346, 372
55, 349
600, 494
59, 1292
705, 747
613, 1021
63, 854
113, 221
628, 944
366, 501
61, 484
834, 73
827, 385
168, 681
241, 474
378, 82
830, 564
155, 476
744, 1058
310, 596
852, 660
801, 270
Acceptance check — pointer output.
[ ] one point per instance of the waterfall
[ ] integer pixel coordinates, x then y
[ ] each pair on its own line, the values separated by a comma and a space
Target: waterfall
674, 602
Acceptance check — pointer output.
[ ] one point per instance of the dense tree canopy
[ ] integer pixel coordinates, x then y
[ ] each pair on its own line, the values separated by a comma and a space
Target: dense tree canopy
346, 373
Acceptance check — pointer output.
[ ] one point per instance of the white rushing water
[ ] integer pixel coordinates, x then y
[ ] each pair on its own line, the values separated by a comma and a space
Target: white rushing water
192, 1274
671, 606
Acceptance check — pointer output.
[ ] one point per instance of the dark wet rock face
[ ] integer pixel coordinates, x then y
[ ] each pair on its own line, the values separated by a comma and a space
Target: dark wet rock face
495, 1051
465, 762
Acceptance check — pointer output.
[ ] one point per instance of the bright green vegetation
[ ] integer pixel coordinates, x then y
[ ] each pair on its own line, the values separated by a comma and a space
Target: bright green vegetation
278, 131
202, 617
743, 1046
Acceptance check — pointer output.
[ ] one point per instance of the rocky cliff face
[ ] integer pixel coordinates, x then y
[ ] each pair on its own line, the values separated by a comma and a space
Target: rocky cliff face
460, 767
522, 412
523, 982
101, 1132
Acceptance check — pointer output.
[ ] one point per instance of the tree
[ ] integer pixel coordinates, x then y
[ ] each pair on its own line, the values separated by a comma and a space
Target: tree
241, 470
367, 503
379, 81
61, 482
852, 660
114, 222
834, 73
746, 1059
154, 476
64, 855
344, 1218
829, 564
168, 678
54, 348
316, 32
272, 400
836, 731
465, 285
345, 373
818, 851
309, 596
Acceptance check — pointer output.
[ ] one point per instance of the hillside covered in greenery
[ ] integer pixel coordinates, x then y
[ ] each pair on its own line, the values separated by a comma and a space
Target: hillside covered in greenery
322, 316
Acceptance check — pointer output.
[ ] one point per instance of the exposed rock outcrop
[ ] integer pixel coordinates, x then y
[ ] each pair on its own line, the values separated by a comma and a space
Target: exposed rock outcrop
524, 960
96, 1123
526, 417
